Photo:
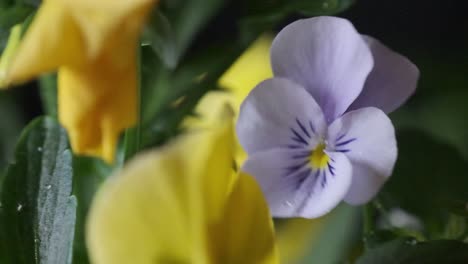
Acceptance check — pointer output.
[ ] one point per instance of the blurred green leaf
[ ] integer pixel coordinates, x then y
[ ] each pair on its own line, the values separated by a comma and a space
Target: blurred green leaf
286, 7
408, 251
89, 174
159, 35
336, 239
38, 211
439, 106
10, 126
426, 174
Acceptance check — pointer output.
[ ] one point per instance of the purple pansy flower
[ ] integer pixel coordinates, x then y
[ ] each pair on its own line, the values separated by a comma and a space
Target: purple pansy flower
317, 133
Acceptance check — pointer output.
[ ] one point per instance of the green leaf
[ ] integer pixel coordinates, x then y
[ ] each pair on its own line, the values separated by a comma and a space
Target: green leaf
439, 105
336, 238
161, 38
38, 211
427, 173
188, 17
48, 92
10, 126
408, 251
89, 174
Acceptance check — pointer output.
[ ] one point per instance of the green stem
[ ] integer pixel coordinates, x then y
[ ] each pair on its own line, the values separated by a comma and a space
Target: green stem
368, 218
133, 135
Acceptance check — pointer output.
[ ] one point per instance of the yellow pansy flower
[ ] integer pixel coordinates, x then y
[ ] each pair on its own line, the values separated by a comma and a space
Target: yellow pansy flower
182, 204
92, 44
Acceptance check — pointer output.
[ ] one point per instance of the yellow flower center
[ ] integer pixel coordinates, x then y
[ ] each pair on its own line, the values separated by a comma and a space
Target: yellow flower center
319, 159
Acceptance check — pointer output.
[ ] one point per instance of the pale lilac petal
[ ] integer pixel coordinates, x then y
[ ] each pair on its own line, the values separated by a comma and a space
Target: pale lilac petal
367, 137
328, 57
320, 198
293, 189
364, 185
279, 114
391, 82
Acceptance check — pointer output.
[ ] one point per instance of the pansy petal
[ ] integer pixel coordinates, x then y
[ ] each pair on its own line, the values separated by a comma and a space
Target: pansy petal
367, 137
391, 82
279, 113
246, 210
303, 193
96, 103
182, 206
328, 57
319, 196
364, 185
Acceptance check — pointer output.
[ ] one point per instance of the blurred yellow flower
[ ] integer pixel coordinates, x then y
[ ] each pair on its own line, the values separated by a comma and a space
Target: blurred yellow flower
93, 45
182, 204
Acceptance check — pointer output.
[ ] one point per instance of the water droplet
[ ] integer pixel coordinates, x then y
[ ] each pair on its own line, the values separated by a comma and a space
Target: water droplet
39, 149
412, 242
36, 240
48, 186
19, 207
288, 203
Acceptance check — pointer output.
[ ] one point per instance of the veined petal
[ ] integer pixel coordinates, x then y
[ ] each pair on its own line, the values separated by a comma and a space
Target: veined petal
391, 82
328, 57
294, 189
279, 114
367, 137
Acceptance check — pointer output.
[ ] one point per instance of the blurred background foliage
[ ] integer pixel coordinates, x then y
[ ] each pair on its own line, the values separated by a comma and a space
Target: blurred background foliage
420, 216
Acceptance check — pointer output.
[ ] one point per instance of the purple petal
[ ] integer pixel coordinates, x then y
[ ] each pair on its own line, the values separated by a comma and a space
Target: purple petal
303, 193
373, 149
328, 57
279, 114
391, 82
364, 185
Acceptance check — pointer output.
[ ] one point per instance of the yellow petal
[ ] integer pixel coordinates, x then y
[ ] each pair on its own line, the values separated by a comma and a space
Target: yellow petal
249, 70
96, 103
244, 235
76, 33
93, 45
164, 206
8, 52
52, 39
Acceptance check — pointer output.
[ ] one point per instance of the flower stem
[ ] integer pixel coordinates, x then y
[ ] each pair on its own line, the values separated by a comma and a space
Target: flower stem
132, 135
368, 219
